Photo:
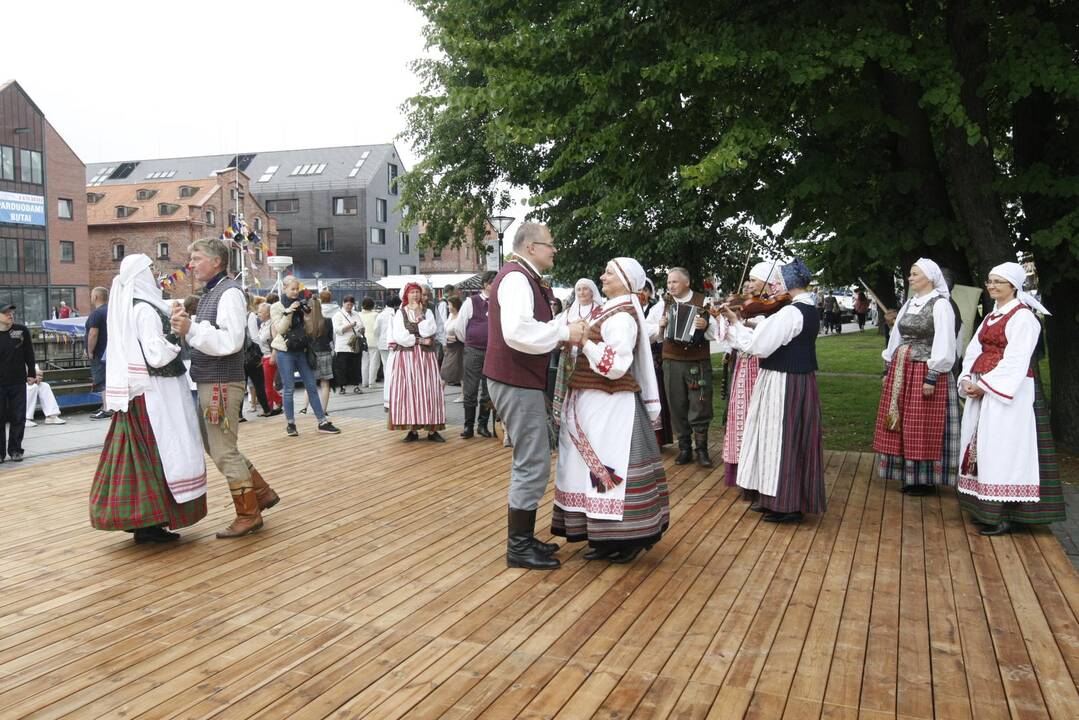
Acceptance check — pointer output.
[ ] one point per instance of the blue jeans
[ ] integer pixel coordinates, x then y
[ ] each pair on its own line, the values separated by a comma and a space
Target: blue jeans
289, 363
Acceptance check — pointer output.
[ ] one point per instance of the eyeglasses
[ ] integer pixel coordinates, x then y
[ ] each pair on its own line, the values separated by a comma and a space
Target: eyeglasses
990, 283
537, 242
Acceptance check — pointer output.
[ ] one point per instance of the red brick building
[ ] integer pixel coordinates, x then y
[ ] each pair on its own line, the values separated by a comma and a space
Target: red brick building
43, 238
161, 218
463, 258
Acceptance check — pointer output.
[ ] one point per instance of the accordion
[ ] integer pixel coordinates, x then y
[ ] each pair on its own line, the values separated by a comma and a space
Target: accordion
680, 318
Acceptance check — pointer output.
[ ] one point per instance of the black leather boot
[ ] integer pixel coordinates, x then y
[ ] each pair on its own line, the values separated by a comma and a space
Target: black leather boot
702, 450
470, 419
521, 548
685, 451
481, 424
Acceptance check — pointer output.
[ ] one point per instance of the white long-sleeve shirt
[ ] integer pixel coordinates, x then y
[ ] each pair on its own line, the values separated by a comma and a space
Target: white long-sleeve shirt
382, 328
520, 328
942, 356
460, 327
1002, 382
345, 326
772, 332
402, 337
711, 330
229, 335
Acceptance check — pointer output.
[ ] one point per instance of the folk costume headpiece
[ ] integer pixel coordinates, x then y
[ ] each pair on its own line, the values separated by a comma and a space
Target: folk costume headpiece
1014, 273
796, 274
573, 312
932, 271
633, 277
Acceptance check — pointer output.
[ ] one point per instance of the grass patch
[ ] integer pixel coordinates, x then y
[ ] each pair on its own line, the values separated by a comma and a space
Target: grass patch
857, 352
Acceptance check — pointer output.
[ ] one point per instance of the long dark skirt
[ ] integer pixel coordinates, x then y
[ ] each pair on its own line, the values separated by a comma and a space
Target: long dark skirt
129, 489
801, 468
1050, 505
346, 369
647, 512
665, 435
453, 364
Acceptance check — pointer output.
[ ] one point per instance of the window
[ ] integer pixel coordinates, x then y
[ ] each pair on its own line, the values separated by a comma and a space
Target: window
159, 174
122, 171
232, 193
380, 210
284, 239
93, 198
268, 173
7, 162
391, 179
64, 208
30, 166
408, 269
211, 219
279, 207
122, 211
309, 169
378, 267
9, 255
359, 164
436, 253
67, 251
232, 219
258, 225
378, 236
259, 255
145, 194
117, 251
101, 176
345, 205
163, 251
325, 240
167, 208
402, 237
187, 191
34, 258
241, 161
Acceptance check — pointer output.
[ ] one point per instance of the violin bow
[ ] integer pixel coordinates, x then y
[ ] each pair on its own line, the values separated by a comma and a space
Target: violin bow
873, 296
745, 269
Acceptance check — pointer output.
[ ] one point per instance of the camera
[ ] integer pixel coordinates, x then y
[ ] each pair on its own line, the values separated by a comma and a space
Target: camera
302, 305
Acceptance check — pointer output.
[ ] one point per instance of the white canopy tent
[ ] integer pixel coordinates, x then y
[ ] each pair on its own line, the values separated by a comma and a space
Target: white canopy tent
435, 280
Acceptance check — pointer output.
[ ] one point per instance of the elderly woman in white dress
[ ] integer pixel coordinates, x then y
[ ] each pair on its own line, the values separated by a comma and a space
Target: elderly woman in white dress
586, 301
1008, 471
611, 488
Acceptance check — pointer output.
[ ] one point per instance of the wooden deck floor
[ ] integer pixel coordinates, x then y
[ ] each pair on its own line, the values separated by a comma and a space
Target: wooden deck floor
379, 589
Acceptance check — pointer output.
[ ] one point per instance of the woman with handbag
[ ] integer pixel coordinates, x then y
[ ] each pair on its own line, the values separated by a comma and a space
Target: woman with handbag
349, 344
291, 346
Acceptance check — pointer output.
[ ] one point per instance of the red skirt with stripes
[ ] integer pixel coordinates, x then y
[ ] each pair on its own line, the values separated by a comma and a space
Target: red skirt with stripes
416, 398
921, 431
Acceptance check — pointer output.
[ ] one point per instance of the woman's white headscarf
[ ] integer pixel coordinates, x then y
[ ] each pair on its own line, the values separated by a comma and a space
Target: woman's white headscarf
572, 313
633, 277
1014, 273
932, 271
765, 271
126, 375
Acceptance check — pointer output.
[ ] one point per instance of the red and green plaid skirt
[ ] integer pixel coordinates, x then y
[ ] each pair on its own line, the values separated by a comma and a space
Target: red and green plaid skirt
129, 489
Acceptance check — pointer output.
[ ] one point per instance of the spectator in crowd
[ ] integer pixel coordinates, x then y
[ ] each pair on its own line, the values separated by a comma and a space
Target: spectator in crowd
452, 367
861, 307
269, 365
371, 360
253, 361
97, 339
42, 391
329, 307
319, 331
17, 370
349, 342
65, 311
384, 335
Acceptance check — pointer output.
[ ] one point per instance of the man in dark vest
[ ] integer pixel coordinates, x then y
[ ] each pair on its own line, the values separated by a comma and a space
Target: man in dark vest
520, 334
472, 326
687, 369
217, 367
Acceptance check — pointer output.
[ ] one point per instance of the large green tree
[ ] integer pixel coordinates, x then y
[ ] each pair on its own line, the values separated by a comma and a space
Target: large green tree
871, 132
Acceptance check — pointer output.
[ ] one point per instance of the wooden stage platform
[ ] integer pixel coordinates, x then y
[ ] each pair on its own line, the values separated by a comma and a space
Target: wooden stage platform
379, 589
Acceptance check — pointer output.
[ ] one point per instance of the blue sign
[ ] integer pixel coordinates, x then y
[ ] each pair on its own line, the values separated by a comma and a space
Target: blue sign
20, 209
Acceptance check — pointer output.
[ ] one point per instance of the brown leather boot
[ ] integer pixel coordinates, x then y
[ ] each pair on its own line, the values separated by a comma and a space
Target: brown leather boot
265, 494
248, 519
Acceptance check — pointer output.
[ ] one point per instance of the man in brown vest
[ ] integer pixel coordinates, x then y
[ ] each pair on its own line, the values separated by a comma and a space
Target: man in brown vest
217, 367
520, 335
687, 371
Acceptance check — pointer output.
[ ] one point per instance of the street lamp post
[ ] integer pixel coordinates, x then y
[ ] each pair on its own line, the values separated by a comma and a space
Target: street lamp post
500, 223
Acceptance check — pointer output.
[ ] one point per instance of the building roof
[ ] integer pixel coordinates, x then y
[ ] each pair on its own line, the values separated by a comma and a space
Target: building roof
103, 212
298, 169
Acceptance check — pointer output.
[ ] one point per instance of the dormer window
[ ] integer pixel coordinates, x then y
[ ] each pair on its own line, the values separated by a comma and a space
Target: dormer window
187, 191
92, 197
144, 194
122, 211
167, 208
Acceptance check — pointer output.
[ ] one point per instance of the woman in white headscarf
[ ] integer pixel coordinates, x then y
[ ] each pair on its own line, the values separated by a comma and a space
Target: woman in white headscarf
917, 430
1008, 470
763, 276
586, 301
152, 470
611, 488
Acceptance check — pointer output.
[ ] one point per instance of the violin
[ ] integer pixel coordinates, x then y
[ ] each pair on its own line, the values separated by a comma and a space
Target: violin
748, 306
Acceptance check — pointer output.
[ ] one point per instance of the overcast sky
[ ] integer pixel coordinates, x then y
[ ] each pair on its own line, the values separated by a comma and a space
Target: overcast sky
124, 80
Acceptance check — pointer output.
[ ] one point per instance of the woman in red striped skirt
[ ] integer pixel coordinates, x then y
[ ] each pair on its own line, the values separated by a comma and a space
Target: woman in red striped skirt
917, 432
416, 399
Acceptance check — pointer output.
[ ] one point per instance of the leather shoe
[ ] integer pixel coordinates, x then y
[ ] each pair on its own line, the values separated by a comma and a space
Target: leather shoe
626, 555
156, 534
685, 452
599, 553
263, 492
702, 450
1003, 528
412, 436
248, 518
435, 437
757, 507
484, 432
16, 456
549, 548
778, 517
521, 550
467, 432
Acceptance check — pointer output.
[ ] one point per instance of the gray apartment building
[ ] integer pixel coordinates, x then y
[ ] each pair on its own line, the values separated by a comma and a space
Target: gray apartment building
337, 209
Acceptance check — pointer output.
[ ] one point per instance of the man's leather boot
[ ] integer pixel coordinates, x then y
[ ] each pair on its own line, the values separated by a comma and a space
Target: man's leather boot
685, 451
266, 496
481, 425
702, 450
521, 549
248, 519
470, 419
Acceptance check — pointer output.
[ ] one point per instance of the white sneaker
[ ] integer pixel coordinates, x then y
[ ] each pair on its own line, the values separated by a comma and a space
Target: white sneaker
55, 420
31, 423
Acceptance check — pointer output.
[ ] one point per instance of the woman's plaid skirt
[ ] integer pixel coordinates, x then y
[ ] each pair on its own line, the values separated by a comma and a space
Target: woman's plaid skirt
129, 489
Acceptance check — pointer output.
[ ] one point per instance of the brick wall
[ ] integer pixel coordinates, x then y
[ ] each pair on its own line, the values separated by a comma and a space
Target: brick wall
66, 178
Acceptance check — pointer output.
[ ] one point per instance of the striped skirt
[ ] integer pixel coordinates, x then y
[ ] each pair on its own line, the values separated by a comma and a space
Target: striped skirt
943, 468
416, 399
1050, 505
744, 377
647, 511
129, 489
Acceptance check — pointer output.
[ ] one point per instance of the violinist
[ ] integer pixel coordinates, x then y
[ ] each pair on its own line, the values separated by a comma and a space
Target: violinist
763, 276
687, 368
781, 456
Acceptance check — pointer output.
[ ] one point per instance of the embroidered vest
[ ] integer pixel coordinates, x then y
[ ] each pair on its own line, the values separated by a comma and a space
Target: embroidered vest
799, 356
414, 329
993, 342
585, 378
917, 330
502, 363
476, 330
174, 367
208, 368
693, 351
